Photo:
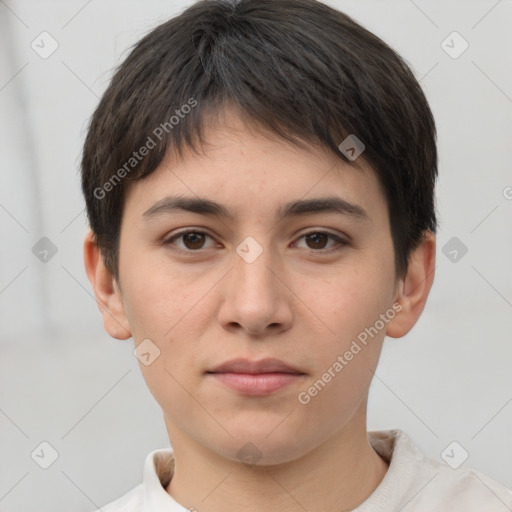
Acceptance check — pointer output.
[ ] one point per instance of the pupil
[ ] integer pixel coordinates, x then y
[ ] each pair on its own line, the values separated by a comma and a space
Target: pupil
317, 238
194, 240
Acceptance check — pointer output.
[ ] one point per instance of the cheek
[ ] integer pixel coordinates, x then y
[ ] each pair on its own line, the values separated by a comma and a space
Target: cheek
172, 383
347, 302
350, 335
347, 352
157, 302
163, 308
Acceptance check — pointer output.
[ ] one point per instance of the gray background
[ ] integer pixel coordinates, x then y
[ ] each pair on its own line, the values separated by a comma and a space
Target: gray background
64, 381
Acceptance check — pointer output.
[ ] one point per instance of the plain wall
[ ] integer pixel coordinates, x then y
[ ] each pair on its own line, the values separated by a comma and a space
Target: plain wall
64, 381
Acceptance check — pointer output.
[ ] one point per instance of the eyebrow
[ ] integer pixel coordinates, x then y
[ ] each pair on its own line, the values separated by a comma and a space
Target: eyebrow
204, 206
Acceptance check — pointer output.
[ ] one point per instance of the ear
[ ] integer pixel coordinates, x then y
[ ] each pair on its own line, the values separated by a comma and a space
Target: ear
412, 290
106, 290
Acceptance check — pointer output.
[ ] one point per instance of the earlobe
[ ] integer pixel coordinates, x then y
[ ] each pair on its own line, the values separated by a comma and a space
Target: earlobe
106, 291
412, 291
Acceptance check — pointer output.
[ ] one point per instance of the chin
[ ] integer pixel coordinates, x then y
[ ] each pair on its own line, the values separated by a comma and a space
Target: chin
261, 446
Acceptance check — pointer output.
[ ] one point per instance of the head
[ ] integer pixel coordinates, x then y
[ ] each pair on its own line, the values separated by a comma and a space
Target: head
245, 104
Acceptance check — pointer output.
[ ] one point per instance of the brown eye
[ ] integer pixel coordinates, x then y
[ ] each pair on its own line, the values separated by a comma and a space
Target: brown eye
322, 242
317, 240
188, 241
193, 240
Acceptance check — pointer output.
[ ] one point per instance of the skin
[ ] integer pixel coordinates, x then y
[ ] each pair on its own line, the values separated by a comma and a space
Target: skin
295, 302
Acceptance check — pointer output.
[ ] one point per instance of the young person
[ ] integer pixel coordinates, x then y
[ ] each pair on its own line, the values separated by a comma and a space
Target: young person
259, 179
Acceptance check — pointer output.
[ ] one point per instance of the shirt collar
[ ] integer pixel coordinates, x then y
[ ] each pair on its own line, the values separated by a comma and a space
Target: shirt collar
407, 467
158, 470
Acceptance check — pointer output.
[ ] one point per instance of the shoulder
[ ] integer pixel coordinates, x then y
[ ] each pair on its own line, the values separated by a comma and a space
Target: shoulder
420, 483
468, 489
129, 502
465, 489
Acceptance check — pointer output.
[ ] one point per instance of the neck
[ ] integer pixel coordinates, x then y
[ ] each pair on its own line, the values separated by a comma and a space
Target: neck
338, 475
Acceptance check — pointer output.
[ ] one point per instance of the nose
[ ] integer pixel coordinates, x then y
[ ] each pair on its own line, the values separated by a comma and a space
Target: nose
256, 298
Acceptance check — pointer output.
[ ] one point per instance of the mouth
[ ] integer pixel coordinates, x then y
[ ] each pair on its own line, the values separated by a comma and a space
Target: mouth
256, 378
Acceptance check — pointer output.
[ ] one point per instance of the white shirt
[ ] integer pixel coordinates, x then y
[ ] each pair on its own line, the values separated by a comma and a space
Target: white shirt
413, 483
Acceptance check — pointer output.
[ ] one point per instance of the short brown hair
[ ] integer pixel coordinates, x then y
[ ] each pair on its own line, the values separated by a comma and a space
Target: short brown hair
298, 68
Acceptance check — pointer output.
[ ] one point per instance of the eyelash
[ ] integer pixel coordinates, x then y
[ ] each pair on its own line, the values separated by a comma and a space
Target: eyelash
340, 242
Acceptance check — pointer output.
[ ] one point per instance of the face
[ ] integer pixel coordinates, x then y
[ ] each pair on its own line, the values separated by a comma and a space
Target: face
281, 275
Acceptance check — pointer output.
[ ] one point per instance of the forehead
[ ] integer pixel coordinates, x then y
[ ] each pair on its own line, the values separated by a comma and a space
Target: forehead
248, 169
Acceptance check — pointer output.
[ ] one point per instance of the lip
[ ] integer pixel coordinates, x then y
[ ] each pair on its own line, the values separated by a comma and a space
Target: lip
256, 378
267, 365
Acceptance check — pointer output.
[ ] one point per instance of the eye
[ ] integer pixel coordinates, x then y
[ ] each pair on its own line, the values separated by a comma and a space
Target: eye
190, 240
319, 240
